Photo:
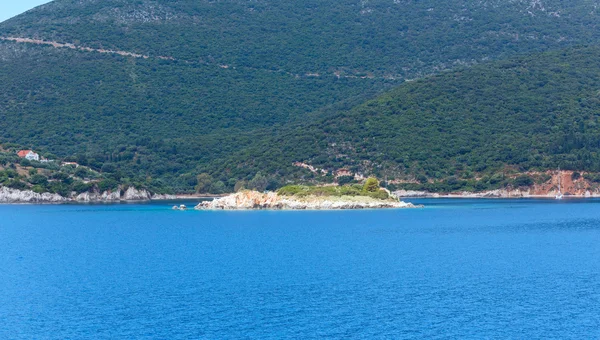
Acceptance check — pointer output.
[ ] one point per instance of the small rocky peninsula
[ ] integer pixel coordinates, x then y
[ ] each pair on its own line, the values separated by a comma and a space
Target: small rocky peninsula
253, 200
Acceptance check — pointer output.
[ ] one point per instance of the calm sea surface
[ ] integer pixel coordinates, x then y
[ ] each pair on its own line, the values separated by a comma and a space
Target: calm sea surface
456, 269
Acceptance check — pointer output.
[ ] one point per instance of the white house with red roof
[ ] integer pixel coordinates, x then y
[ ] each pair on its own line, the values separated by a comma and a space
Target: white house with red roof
28, 154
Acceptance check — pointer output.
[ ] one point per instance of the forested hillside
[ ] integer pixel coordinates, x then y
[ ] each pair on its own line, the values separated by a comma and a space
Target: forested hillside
525, 114
162, 91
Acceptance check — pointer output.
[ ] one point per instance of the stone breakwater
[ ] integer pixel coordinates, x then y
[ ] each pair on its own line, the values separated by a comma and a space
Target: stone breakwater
252, 200
8, 195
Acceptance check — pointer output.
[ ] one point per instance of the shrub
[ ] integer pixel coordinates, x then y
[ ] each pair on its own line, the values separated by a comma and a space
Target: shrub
205, 182
80, 187
349, 191
290, 190
38, 189
16, 184
107, 184
523, 181
343, 180
371, 185
81, 172
38, 179
380, 194
422, 179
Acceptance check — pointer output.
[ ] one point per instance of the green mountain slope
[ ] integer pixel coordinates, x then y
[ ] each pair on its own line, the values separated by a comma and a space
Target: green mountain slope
155, 119
384, 38
531, 113
165, 90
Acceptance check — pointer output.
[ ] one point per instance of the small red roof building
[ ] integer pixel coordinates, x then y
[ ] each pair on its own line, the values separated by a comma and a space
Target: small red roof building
23, 153
28, 154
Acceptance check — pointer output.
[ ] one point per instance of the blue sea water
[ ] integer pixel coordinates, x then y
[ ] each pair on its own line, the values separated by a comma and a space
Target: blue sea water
522, 269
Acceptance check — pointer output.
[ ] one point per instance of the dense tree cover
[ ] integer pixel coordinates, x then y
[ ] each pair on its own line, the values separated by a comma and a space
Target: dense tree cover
249, 87
386, 38
537, 112
472, 129
155, 122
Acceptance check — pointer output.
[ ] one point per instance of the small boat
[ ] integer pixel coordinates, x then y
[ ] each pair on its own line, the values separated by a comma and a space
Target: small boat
559, 196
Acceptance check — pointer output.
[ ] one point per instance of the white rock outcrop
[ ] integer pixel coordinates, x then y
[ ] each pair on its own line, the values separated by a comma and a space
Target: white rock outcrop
163, 197
107, 196
86, 197
133, 194
8, 195
248, 200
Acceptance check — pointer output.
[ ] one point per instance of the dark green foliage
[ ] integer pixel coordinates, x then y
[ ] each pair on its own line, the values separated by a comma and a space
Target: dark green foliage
379, 38
82, 172
530, 113
204, 183
79, 187
343, 180
60, 188
379, 194
107, 185
258, 183
16, 184
38, 180
523, 181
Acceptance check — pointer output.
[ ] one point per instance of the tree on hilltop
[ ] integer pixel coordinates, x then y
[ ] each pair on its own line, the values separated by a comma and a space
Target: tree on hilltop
371, 185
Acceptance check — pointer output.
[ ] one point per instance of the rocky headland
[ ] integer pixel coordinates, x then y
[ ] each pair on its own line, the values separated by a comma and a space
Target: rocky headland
8, 195
253, 200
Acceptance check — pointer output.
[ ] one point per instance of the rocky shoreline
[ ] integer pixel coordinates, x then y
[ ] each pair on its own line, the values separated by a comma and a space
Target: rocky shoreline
8, 195
500, 193
252, 200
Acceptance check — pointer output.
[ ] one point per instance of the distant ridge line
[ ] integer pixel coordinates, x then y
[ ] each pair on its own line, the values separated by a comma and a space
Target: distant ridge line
73, 47
143, 56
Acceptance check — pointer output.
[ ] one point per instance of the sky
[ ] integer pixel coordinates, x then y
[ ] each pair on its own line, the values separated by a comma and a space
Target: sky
11, 8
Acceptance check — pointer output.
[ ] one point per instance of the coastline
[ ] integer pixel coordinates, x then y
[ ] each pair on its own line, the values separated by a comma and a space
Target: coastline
119, 195
495, 194
131, 194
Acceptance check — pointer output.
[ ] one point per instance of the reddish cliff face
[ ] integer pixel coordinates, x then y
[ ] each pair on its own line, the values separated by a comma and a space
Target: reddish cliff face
568, 185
